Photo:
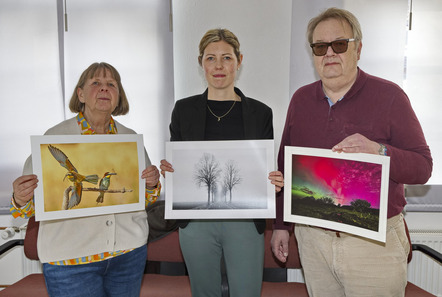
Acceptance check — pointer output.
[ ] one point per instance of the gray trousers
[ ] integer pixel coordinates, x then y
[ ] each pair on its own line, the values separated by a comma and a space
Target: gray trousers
204, 241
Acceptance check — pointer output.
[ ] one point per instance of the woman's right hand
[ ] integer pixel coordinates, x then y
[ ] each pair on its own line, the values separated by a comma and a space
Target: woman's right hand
165, 166
23, 188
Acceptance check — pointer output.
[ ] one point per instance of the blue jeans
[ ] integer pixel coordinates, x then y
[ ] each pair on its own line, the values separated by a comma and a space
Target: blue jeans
118, 276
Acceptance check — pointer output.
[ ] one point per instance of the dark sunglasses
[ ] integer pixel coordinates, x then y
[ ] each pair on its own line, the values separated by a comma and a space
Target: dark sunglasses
339, 46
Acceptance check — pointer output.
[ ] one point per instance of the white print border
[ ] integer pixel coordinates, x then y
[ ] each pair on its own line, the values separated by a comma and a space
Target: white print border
378, 235
253, 197
138, 157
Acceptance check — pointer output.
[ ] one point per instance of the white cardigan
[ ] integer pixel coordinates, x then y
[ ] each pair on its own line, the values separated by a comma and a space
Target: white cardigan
80, 237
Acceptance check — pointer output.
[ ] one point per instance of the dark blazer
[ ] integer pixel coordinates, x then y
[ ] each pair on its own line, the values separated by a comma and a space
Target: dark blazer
188, 123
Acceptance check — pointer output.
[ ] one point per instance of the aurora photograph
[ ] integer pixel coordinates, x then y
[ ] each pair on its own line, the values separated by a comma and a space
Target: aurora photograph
336, 191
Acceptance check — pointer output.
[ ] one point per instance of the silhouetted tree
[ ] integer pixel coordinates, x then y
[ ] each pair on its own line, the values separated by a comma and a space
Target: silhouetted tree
360, 205
231, 177
214, 190
224, 191
206, 173
327, 200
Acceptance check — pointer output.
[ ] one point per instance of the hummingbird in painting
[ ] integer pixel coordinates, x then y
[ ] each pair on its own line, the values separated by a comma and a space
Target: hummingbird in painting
73, 176
104, 185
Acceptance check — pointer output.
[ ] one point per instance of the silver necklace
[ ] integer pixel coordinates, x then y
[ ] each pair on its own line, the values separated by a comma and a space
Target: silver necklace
220, 117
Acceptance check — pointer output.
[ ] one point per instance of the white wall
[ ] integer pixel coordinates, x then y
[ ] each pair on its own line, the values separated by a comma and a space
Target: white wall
30, 89
277, 57
424, 75
30, 84
138, 31
384, 34
263, 29
135, 37
410, 58
132, 35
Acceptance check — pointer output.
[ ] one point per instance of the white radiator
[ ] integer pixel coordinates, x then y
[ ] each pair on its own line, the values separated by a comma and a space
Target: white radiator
31, 266
422, 270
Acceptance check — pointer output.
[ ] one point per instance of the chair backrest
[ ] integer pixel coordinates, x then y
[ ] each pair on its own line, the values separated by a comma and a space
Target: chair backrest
164, 256
158, 252
165, 249
30, 243
410, 254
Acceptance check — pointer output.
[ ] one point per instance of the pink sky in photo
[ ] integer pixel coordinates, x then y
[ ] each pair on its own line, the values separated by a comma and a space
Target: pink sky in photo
343, 180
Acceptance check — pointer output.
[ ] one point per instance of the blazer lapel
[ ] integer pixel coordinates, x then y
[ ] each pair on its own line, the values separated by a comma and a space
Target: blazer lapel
248, 115
199, 118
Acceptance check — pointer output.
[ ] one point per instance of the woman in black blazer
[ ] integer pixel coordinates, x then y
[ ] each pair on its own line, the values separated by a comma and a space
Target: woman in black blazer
222, 112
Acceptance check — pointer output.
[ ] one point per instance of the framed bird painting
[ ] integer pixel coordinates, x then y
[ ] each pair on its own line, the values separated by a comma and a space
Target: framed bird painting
86, 175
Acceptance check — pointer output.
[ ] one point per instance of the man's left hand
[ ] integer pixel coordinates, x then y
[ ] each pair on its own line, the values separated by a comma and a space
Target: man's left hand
357, 143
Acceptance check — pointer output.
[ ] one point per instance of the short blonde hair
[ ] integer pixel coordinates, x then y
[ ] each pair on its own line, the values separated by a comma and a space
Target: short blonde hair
75, 105
215, 35
338, 14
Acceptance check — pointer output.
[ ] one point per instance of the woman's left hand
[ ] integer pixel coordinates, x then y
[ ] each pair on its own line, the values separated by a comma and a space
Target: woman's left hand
277, 179
151, 175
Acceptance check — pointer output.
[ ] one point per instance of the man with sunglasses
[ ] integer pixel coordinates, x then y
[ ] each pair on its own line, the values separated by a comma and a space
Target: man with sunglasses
350, 111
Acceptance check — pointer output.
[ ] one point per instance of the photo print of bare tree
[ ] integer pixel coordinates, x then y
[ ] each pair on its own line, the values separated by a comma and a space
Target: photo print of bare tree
219, 179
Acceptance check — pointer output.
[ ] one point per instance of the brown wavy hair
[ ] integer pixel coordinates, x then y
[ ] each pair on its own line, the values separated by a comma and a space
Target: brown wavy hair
93, 70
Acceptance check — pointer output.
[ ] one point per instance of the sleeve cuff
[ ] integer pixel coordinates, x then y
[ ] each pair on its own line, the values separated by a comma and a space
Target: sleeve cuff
152, 194
26, 211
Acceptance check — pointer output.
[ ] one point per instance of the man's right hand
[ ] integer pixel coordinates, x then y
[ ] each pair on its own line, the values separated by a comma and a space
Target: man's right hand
280, 244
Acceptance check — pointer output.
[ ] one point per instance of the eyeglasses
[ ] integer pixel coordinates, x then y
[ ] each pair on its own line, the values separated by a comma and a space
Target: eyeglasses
339, 46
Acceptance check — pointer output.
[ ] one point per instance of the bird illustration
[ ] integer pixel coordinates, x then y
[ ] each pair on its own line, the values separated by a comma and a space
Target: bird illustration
104, 185
73, 176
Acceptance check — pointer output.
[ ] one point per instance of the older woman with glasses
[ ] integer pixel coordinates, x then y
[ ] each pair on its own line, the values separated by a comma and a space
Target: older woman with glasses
350, 111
